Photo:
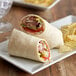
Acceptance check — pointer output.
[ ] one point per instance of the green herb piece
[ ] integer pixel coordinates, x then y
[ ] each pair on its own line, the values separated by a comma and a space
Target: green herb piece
23, 25
46, 47
44, 42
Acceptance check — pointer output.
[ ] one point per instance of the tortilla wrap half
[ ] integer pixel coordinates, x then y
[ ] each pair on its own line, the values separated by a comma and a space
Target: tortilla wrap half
37, 26
27, 46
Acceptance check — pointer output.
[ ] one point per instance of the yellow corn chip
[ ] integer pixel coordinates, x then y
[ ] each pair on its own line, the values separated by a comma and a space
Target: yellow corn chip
72, 28
69, 36
71, 44
64, 49
65, 32
74, 31
73, 25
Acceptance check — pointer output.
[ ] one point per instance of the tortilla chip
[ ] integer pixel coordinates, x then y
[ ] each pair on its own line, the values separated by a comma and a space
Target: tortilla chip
64, 49
69, 36
74, 31
71, 44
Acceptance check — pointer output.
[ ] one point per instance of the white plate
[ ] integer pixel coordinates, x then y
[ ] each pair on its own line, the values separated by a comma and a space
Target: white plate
22, 3
33, 67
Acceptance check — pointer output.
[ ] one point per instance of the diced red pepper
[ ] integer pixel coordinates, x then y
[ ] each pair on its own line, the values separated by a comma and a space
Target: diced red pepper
45, 58
33, 31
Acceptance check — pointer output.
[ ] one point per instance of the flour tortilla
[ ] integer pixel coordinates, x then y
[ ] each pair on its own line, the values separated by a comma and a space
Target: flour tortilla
51, 34
23, 45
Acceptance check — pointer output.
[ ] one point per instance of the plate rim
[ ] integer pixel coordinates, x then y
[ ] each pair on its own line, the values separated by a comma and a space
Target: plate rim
36, 6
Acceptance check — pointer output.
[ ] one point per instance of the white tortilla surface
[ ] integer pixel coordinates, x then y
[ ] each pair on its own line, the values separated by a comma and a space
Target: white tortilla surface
51, 34
24, 45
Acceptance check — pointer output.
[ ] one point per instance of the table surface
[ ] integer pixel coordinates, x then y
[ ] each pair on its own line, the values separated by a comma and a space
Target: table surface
66, 67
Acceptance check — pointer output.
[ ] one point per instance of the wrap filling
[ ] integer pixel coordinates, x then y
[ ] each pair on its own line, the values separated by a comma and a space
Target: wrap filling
32, 24
43, 50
